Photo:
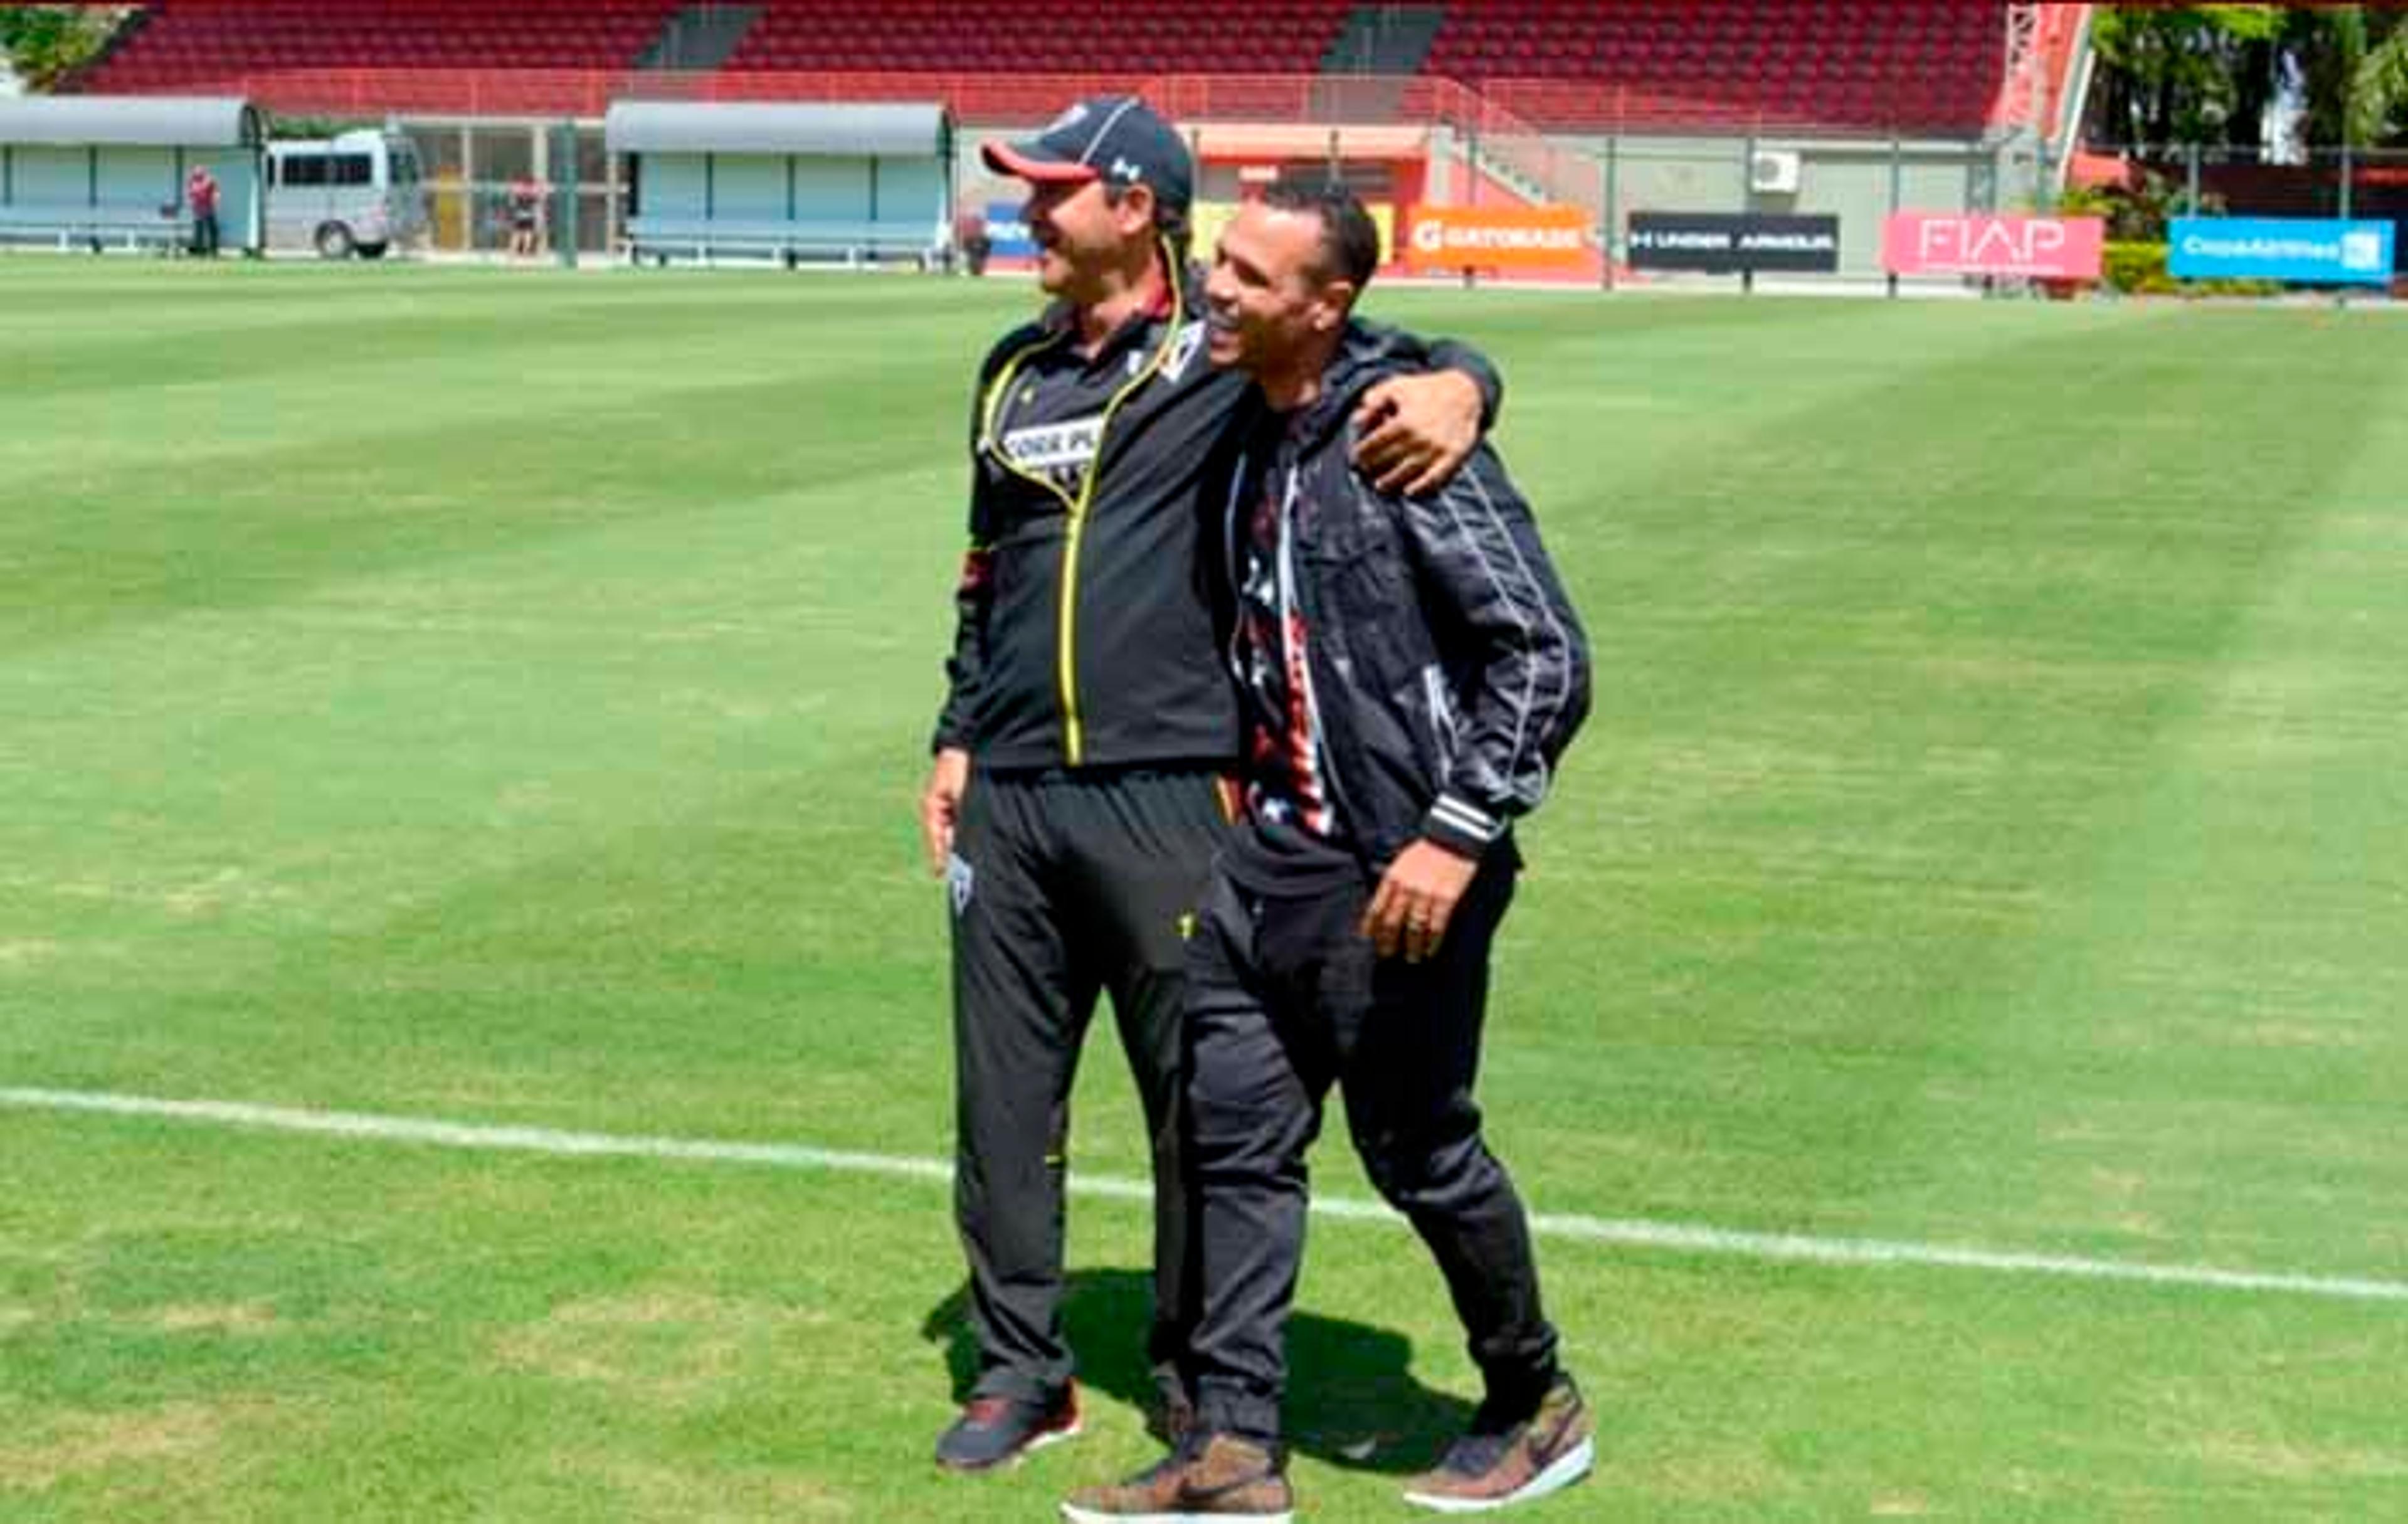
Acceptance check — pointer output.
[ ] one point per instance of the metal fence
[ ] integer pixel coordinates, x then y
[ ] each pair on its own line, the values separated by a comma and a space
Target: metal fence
2192, 178
1411, 139
471, 166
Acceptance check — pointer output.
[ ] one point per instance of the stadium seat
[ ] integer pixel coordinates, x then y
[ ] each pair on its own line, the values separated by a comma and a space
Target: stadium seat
1561, 65
1839, 63
1138, 37
201, 42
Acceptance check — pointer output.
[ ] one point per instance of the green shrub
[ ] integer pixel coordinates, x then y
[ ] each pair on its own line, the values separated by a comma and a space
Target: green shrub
2139, 269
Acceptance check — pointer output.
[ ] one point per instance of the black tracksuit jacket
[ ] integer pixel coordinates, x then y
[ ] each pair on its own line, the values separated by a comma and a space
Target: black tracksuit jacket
1088, 605
1446, 665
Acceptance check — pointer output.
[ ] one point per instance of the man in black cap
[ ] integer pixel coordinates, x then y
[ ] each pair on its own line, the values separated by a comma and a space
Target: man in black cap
1079, 789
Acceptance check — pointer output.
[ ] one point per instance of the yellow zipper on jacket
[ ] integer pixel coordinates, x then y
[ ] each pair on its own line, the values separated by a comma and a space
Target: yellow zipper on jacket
1074, 742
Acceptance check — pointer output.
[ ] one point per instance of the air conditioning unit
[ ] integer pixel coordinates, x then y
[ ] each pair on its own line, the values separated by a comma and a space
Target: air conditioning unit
1774, 169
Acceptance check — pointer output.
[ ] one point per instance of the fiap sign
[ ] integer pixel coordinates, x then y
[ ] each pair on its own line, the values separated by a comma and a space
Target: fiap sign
2297, 248
2037, 248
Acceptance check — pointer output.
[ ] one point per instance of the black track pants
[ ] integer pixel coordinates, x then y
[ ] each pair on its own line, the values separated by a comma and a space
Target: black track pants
1285, 999
1064, 884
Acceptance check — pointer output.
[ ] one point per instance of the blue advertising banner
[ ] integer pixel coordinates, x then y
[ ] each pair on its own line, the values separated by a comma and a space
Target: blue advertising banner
2280, 248
1007, 232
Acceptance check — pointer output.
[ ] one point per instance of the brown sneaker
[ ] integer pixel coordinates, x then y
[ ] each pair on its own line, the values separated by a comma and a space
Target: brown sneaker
1497, 1465
1209, 1477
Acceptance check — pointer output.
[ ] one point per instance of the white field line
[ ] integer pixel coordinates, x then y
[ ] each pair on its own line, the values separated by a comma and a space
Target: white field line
1672, 1236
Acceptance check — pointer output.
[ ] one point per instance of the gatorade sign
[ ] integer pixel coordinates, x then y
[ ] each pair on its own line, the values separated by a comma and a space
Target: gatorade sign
1496, 238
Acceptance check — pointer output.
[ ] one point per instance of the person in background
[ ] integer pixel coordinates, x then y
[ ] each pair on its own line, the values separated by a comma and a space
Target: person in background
524, 207
201, 201
972, 238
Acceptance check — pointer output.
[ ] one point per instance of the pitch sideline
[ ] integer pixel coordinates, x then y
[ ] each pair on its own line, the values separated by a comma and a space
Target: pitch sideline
1672, 1236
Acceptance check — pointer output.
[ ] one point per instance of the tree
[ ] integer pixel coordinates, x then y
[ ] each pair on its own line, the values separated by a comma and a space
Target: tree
2185, 73
2349, 64
2207, 74
48, 43
2376, 107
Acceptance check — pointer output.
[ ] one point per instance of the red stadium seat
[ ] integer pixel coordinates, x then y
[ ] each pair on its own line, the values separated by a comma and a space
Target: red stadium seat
1861, 63
1563, 65
194, 41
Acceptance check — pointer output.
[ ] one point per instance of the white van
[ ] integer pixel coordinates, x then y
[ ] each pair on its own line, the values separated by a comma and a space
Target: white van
358, 193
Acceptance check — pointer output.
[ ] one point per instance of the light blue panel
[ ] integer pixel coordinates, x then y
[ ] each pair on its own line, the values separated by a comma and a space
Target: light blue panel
2296, 249
673, 185
53, 177
749, 188
138, 179
912, 190
831, 191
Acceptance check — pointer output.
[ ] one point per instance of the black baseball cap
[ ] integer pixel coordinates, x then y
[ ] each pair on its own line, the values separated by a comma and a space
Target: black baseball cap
1117, 138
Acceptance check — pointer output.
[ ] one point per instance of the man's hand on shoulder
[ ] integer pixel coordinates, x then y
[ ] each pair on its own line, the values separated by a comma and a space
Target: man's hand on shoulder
1413, 433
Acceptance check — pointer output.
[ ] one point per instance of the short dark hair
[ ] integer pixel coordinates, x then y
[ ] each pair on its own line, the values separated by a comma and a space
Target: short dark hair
1349, 240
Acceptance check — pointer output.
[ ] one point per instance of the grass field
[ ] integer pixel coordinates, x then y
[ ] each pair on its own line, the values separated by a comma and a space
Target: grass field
497, 697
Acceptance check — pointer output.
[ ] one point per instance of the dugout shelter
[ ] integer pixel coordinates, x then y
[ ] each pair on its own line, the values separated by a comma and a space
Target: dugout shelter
852, 184
105, 172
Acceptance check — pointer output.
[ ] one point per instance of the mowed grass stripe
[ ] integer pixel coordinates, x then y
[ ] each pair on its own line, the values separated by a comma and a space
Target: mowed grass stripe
411, 337
344, 377
488, 450
1881, 1036
583, 803
2221, 948
2189, 1106
1874, 705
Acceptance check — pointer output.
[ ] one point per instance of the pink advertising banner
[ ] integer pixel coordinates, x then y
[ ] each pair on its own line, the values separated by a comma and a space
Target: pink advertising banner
1969, 243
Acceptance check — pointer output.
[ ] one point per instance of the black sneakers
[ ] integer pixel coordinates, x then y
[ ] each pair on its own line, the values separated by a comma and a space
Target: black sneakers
997, 1431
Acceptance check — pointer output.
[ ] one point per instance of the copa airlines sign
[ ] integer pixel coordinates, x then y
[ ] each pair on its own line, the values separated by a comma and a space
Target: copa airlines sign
2036, 248
2308, 251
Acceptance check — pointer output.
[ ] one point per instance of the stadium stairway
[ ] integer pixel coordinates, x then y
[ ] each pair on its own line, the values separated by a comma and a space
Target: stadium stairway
700, 37
1385, 39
